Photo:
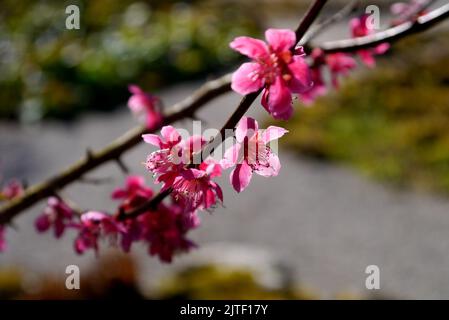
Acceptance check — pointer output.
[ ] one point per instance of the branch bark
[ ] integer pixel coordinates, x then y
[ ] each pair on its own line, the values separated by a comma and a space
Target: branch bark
113, 151
390, 35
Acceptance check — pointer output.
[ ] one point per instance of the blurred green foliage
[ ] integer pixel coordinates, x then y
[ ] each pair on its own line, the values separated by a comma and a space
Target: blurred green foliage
223, 283
49, 71
392, 122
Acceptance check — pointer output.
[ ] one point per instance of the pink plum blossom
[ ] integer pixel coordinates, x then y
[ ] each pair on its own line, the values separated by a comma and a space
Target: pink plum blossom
3, 244
12, 190
134, 193
275, 68
92, 226
165, 231
172, 164
196, 186
57, 214
319, 87
251, 153
339, 64
163, 161
359, 28
404, 11
145, 107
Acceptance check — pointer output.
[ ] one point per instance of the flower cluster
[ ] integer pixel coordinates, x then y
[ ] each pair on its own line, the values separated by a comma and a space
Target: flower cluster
172, 166
282, 70
163, 229
277, 67
251, 153
57, 215
361, 28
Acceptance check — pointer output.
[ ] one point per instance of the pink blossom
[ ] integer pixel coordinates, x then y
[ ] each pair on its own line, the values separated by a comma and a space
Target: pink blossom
145, 107
3, 244
11, 190
196, 187
172, 164
274, 68
359, 28
165, 231
319, 87
134, 193
92, 226
339, 64
163, 160
251, 153
406, 11
57, 214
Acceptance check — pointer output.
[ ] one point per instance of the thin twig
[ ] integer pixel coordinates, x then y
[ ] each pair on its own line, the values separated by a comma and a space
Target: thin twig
390, 35
322, 26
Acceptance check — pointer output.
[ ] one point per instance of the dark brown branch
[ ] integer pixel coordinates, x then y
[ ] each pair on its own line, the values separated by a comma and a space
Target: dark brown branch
390, 35
113, 151
322, 26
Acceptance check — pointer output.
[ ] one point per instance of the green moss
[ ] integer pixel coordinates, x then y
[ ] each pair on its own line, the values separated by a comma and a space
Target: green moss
222, 283
391, 123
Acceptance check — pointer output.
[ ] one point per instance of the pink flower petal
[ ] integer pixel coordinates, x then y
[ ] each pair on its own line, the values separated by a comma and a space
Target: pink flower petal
231, 156
382, 48
134, 89
399, 8
301, 80
278, 100
152, 139
367, 58
153, 119
272, 169
42, 223
280, 39
246, 127
250, 47
246, 79
241, 176
170, 134
191, 174
273, 133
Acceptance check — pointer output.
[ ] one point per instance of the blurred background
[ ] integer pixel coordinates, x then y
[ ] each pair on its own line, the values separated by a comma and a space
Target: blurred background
365, 177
